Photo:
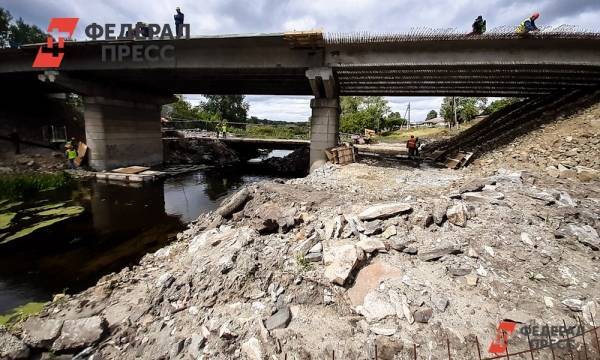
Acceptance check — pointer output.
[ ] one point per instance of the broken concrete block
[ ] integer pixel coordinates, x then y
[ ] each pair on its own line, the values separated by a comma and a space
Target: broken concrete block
339, 262
384, 211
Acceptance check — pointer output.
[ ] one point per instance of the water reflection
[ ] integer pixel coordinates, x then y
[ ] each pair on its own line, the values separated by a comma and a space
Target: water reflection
120, 224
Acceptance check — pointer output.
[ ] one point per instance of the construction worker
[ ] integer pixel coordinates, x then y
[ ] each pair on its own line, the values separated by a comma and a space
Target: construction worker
71, 142
71, 155
218, 128
479, 26
411, 145
418, 146
224, 129
178, 22
528, 25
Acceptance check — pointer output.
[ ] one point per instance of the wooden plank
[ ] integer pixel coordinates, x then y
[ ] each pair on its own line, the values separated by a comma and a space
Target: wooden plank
436, 155
131, 170
81, 152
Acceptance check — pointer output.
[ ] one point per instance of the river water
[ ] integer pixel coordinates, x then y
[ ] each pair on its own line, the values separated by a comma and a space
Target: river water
117, 226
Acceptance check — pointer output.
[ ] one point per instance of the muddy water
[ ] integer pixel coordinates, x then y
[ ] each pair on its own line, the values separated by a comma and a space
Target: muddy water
115, 227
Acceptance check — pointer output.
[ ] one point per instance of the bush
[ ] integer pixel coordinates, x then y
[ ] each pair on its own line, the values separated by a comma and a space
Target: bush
26, 184
272, 132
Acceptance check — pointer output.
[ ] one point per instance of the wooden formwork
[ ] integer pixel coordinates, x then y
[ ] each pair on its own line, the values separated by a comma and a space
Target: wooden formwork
341, 155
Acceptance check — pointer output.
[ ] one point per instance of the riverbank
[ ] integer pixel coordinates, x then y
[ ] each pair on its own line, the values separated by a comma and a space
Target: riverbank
309, 266
64, 240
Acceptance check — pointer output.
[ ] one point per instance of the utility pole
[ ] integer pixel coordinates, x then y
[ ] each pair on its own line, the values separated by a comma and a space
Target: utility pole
454, 106
409, 114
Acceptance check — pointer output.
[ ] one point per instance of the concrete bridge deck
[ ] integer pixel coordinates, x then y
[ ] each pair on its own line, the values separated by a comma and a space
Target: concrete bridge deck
123, 98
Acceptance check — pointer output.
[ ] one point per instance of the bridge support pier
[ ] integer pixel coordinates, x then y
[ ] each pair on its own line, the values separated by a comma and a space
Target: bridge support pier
324, 127
122, 132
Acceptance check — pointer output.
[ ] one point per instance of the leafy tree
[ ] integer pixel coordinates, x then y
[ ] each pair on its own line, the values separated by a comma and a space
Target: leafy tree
466, 108
393, 121
499, 104
362, 112
18, 33
181, 109
431, 115
5, 19
232, 108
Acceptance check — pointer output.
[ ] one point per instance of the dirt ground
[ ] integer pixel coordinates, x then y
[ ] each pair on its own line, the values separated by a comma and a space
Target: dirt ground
30, 158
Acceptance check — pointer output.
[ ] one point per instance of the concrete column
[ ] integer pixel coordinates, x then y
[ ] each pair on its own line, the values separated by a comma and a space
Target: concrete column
122, 133
324, 127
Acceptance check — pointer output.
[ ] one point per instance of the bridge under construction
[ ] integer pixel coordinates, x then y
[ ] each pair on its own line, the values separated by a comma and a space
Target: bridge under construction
123, 98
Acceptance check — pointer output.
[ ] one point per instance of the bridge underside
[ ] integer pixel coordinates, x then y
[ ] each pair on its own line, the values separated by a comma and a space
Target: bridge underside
473, 80
390, 80
278, 64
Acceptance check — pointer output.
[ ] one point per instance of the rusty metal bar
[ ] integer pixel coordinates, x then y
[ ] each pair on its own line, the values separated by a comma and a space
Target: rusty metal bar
505, 338
595, 332
582, 326
448, 345
415, 351
529, 344
478, 348
376, 356
550, 341
568, 340
583, 337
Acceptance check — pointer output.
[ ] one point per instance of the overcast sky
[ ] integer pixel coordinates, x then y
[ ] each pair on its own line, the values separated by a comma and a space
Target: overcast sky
252, 16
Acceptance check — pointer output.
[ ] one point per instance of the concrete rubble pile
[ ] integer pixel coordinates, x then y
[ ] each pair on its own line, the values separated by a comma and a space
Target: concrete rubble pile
343, 260
567, 149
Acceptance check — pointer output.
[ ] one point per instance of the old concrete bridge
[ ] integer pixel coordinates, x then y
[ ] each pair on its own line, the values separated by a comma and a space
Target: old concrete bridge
123, 98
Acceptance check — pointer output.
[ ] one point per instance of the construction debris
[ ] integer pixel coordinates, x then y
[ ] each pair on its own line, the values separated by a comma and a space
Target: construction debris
341, 155
429, 259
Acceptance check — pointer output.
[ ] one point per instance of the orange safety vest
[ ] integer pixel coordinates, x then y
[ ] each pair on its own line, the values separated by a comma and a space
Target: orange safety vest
412, 143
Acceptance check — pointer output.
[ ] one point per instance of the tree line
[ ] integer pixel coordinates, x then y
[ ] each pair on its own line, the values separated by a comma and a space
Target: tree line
13, 34
232, 108
373, 112
357, 112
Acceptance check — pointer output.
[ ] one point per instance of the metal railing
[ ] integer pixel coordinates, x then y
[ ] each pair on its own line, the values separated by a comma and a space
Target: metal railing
425, 33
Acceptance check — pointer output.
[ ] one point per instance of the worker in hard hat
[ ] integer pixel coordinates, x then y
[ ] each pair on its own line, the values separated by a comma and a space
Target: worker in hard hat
479, 26
178, 22
528, 25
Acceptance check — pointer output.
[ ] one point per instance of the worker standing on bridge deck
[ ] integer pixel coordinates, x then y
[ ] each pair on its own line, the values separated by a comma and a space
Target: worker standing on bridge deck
528, 25
178, 22
411, 145
479, 26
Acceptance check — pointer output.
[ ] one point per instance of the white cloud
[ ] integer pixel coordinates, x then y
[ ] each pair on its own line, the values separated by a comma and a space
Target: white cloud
303, 23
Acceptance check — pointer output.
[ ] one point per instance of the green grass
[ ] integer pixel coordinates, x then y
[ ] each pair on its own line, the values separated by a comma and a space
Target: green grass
403, 135
271, 132
21, 313
304, 264
25, 184
433, 133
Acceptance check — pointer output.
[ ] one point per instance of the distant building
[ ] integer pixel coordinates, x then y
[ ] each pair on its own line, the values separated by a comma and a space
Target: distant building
436, 122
